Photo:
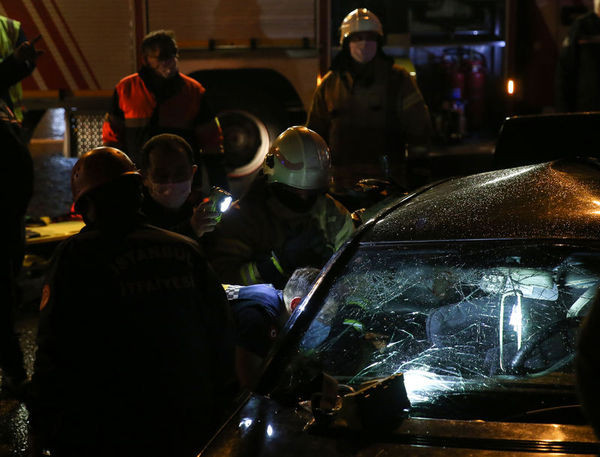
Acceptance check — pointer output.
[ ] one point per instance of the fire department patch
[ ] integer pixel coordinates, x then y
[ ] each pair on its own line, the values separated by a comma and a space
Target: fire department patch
45, 296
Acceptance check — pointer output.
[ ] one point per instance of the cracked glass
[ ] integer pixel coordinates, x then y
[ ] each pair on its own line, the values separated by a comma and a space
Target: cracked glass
456, 318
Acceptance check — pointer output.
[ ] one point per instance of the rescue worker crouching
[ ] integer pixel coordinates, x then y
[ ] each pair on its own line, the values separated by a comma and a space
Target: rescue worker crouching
135, 341
286, 220
368, 109
260, 312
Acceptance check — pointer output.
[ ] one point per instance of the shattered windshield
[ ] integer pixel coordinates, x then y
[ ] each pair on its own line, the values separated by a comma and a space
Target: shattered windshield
469, 317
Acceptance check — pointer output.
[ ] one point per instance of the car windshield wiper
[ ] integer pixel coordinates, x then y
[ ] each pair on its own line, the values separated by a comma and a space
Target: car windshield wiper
568, 414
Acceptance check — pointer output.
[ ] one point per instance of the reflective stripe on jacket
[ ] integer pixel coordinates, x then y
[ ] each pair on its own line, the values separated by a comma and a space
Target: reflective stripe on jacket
261, 224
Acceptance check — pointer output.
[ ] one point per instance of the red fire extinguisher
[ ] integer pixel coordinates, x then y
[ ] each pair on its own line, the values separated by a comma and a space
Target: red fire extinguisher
455, 76
455, 94
475, 67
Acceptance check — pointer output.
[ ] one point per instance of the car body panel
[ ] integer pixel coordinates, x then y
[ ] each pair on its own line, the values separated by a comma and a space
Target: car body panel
556, 204
558, 199
263, 427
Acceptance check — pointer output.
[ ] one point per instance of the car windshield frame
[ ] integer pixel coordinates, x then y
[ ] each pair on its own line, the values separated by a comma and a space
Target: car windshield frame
502, 382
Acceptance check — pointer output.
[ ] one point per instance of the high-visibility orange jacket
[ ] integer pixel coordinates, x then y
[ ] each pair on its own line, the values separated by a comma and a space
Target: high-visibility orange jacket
178, 106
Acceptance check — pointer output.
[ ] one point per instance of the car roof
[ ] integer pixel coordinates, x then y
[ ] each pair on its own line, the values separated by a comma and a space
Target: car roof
559, 199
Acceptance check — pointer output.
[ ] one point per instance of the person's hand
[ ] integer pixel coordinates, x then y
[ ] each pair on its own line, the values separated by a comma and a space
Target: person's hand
204, 219
303, 249
26, 51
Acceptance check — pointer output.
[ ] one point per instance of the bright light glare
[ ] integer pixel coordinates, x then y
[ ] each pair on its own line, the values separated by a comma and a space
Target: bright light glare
422, 386
509, 175
516, 321
510, 87
225, 204
269, 430
245, 422
319, 79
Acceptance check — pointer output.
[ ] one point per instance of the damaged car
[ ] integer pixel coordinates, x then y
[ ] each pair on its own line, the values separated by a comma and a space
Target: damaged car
445, 326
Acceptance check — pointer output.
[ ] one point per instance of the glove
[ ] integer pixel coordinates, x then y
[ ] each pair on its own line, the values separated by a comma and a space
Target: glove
302, 249
307, 248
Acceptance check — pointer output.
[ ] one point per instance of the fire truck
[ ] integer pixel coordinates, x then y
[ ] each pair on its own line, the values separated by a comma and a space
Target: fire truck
261, 59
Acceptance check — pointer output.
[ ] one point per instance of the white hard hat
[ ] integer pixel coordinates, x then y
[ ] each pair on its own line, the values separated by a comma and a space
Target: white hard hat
360, 20
299, 158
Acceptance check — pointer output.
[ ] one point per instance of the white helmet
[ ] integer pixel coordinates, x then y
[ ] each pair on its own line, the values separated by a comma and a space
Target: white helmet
360, 20
298, 158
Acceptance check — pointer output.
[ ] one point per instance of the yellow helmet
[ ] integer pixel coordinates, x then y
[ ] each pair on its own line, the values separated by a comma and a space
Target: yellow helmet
360, 20
298, 158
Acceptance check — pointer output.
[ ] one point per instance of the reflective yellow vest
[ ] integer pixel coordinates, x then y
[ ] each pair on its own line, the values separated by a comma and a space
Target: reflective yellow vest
9, 34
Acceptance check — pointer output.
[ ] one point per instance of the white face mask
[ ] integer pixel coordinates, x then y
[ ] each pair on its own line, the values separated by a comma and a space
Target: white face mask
171, 195
363, 51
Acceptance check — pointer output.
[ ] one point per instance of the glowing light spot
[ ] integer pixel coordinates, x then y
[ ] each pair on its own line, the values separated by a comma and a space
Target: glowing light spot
245, 423
269, 430
225, 204
513, 174
510, 87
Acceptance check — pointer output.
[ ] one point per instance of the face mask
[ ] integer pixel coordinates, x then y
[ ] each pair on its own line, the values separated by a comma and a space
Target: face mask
171, 195
363, 51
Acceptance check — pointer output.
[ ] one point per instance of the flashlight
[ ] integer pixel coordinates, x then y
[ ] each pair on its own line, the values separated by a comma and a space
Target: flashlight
220, 201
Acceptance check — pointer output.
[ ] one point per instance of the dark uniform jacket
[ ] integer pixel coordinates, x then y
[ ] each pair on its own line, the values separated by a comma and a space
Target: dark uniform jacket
135, 340
261, 224
578, 71
366, 116
16, 187
259, 312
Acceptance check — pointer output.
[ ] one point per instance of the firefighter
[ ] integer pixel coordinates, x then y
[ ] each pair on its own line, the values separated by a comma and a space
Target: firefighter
135, 340
160, 99
16, 188
17, 60
170, 200
20, 57
367, 108
260, 312
286, 220
578, 69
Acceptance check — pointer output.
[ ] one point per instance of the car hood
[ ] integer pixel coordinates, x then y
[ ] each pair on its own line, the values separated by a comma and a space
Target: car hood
262, 427
559, 199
